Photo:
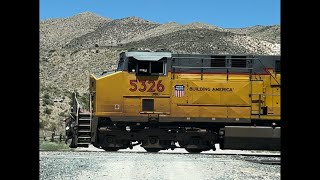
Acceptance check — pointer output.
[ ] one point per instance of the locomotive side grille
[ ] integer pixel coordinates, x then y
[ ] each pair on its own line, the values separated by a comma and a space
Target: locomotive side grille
218, 61
277, 66
239, 61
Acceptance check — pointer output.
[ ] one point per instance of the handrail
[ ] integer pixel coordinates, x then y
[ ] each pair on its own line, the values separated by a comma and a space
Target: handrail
266, 94
90, 108
249, 69
227, 68
260, 100
76, 104
247, 58
192, 67
269, 72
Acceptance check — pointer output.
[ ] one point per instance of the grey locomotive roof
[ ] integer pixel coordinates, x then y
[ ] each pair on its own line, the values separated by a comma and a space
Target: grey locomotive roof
227, 55
196, 63
148, 56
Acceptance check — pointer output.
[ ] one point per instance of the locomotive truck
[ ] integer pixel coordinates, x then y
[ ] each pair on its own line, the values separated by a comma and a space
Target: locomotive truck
162, 100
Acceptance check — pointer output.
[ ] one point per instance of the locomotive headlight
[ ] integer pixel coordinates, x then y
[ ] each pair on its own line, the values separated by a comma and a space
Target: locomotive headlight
221, 133
273, 125
128, 128
67, 128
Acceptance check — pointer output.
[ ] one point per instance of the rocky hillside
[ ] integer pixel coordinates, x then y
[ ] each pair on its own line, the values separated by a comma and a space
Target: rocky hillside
73, 48
267, 33
169, 28
112, 33
55, 33
206, 41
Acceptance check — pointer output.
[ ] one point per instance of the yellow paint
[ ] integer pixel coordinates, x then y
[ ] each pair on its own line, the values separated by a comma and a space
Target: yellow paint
215, 96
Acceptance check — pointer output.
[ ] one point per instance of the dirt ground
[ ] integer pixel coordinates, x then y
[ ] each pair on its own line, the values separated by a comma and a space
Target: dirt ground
137, 164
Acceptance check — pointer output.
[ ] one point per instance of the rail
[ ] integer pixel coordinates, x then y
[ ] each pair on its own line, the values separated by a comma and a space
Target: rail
204, 67
211, 58
90, 108
190, 67
227, 68
268, 72
248, 58
76, 107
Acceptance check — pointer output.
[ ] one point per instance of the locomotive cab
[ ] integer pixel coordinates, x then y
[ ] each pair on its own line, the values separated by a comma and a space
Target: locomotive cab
139, 75
144, 63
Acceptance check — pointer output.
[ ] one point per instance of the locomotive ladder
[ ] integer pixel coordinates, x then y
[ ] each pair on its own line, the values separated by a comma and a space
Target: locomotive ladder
82, 135
84, 130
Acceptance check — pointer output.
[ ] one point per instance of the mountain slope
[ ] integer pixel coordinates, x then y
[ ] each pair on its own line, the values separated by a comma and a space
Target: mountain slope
207, 41
112, 33
55, 33
267, 33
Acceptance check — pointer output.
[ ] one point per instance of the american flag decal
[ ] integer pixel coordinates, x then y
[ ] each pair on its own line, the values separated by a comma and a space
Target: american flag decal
178, 90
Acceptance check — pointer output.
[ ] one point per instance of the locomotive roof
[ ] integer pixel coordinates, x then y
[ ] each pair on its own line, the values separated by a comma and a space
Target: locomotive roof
148, 56
203, 63
155, 56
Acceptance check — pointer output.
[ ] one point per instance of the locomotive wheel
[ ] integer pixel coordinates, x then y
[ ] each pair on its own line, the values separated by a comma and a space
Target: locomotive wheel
152, 149
194, 150
111, 149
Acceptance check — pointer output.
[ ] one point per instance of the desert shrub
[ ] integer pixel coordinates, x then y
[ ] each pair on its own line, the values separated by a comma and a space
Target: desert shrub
48, 111
51, 146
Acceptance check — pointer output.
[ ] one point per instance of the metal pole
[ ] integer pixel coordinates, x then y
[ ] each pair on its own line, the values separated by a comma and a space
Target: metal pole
52, 137
259, 105
201, 69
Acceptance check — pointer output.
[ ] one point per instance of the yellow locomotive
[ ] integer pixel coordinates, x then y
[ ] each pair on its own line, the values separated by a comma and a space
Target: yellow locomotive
160, 99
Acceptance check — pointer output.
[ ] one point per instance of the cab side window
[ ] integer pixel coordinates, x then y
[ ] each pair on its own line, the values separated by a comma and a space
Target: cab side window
143, 67
146, 67
120, 65
157, 67
132, 65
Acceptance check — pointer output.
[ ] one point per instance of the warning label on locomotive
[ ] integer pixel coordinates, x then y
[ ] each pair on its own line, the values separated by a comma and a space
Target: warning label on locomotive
210, 89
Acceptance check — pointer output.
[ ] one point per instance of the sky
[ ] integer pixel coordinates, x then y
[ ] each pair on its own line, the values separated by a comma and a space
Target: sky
222, 13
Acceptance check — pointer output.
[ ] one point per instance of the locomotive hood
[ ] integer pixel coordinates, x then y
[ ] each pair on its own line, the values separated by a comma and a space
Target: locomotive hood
103, 74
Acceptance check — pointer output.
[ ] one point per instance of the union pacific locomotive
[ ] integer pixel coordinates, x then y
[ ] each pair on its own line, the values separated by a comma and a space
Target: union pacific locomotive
161, 100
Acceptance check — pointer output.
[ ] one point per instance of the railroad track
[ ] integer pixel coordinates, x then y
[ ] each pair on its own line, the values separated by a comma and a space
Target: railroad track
203, 153
265, 161
252, 157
